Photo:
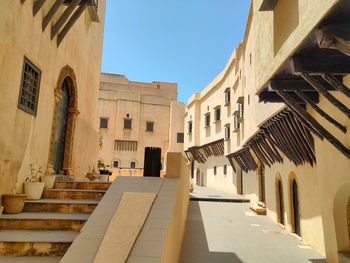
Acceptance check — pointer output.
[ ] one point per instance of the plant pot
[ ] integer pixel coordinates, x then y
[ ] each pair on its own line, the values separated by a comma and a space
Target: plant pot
34, 190
49, 181
13, 203
92, 176
103, 178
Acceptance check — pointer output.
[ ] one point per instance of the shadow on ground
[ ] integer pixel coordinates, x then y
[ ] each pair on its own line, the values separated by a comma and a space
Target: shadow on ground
195, 247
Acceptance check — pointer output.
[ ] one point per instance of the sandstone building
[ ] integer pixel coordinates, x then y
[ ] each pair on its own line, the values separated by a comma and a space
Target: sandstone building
134, 115
274, 124
50, 57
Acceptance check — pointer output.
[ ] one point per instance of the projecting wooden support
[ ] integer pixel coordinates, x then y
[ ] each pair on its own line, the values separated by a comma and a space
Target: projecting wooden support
337, 84
320, 111
37, 5
70, 23
326, 94
54, 8
312, 122
341, 30
325, 60
273, 97
22, 1
268, 5
63, 18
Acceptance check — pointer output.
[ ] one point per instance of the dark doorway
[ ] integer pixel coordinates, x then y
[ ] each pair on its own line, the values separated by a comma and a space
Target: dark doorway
295, 207
61, 128
280, 204
152, 162
198, 177
239, 181
261, 171
192, 169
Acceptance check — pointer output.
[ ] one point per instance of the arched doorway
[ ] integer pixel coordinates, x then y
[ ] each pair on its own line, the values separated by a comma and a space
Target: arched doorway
279, 201
295, 208
261, 178
63, 123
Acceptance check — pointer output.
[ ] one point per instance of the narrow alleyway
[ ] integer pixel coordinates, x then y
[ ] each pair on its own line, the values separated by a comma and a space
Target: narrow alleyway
229, 232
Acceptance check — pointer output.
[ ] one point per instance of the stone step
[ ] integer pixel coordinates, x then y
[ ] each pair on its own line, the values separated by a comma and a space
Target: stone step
61, 206
21, 243
74, 194
82, 185
258, 210
30, 259
43, 221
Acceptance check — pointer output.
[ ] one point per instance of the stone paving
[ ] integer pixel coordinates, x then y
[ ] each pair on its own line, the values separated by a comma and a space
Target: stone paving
229, 232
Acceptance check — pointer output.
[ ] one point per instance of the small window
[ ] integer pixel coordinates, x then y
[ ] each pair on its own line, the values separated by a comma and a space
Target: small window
225, 169
227, 96
217, 115
115, 164
103, 123
149, 126
127, 123
227, 132
207, 120
235, 123
214, 170
180, 137
30, 85
190, 127
133, 165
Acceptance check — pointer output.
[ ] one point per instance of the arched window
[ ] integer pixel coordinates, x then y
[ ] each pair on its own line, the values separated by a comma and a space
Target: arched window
279, 200
295, 207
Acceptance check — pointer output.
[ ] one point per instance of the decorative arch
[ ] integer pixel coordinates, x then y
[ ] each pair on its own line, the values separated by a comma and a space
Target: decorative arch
341, 212
66, 75
279, 200
294, 201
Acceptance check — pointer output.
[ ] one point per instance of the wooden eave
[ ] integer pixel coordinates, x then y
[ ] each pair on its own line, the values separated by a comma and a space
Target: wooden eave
201, 153
314, 69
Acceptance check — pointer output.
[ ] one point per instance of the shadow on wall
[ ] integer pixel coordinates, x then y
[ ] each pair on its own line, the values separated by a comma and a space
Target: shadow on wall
285, 21
195, 246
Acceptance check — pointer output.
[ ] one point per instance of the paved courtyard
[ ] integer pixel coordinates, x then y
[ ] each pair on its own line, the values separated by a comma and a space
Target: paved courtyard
229, 232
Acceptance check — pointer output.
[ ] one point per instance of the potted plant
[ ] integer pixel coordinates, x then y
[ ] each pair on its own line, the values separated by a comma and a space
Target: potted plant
13, 203
92, 175
49, 178
32, 186
104, 174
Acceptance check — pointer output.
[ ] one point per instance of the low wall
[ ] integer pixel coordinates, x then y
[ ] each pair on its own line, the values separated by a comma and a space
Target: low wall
140, 219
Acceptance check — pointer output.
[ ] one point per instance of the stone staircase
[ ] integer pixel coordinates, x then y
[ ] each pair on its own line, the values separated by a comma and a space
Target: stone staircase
47, 227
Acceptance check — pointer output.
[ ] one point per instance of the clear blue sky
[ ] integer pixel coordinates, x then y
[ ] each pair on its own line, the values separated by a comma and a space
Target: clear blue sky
183, 41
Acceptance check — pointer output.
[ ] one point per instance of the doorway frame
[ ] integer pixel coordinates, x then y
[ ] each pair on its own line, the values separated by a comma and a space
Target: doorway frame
66, 74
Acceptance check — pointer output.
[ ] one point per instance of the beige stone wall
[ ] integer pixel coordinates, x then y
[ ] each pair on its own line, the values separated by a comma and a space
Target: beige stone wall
24, 137
156, 102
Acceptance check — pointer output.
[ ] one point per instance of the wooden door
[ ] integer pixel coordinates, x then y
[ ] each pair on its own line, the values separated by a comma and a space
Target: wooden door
61, 128
280, 202
296, 208
152, 162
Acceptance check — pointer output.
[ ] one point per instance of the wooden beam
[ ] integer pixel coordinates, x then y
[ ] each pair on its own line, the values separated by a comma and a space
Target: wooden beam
273, 97
326, 94
326, 60
54, 8
337, 84
341, 29
268, 5
312, 122
289, 85
37, 5
63, 18
320, 111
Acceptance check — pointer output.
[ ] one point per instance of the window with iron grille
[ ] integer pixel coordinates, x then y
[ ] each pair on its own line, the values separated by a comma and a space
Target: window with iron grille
227, 132
235, 123
103, 123
133, 165
115, 164
127, 123
149, 126
207, 120
190, 127
217, 115
180, 137
30, 85
225, 169
227, 96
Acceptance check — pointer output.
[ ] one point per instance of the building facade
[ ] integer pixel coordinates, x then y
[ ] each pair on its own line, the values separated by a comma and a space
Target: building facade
50, 62
274, 124
135, 115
